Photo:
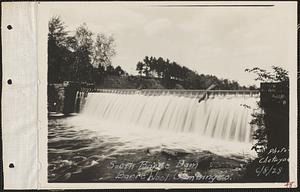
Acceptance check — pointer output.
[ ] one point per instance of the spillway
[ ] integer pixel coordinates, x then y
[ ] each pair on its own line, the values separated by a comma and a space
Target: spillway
224, 117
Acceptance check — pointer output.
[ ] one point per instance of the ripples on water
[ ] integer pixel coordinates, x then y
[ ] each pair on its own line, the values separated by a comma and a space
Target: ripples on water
80, 150
70, 151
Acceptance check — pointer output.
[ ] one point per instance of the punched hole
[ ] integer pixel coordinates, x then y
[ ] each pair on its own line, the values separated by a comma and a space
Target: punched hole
9, 27
9, 81
11, 165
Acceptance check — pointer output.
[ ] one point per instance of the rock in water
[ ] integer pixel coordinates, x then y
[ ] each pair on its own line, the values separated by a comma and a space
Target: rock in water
150, 151
198, 174
65, 177
204, 162
183, 176
174, 152
94, 163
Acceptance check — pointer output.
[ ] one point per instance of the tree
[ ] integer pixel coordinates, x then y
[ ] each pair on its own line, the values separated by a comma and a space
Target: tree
277, 75
57, 50
110, 70
77, 57
119, 71
172, 71
262, 118
271, 123
139, 67
104, 50
83, 48
146, 68
57, 32
253, 87
160, 67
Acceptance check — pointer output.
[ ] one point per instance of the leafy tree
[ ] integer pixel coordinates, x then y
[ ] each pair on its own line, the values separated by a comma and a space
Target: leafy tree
262, 117
119, 71
160, 67
57, 50
277, 75
253, 87
110, 70
78, 57
57, 32
146, 68
139, 67
271, 123
83, 49
104, 50
170, 71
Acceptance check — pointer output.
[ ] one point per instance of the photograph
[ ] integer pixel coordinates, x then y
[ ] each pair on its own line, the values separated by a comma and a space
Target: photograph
168, 92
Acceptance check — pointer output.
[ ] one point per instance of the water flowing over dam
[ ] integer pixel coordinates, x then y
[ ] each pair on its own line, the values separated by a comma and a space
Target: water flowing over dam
223, 116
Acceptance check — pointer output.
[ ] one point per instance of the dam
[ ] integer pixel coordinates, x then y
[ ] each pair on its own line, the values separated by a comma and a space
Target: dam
223, 115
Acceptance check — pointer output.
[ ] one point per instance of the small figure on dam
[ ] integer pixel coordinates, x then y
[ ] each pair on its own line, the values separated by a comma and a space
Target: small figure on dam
206, 93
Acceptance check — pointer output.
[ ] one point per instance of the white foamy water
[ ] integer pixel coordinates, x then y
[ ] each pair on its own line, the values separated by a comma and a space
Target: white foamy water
219, 124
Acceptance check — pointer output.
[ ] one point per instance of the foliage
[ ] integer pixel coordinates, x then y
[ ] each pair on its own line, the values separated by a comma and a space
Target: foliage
57, 50
277, 75
83, 56
103, 50
83, 48
169, 71
261, 134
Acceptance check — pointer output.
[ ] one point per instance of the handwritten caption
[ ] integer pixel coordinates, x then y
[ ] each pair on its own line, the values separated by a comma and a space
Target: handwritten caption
162, 172
272, 162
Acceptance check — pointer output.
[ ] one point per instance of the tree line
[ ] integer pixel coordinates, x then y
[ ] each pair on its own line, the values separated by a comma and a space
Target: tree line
84, 56
172, 71
80, 55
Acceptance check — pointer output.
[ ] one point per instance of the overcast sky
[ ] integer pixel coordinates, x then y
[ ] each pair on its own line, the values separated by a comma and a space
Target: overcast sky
222, 41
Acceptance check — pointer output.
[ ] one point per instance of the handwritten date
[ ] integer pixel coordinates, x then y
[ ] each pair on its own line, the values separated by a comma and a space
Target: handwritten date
268, 170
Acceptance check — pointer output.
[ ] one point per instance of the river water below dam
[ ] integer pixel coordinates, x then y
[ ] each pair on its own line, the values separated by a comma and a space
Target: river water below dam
132, 137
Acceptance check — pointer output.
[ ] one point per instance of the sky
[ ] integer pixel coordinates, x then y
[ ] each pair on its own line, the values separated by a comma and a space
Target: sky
221, 41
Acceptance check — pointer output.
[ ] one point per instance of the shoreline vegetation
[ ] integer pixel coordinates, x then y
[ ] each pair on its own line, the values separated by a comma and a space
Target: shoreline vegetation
86, 57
